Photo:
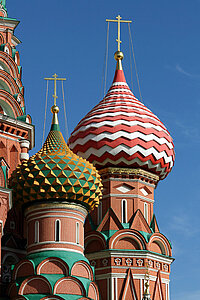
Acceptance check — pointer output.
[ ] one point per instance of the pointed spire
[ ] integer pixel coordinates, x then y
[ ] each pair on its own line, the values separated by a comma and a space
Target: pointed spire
119, 73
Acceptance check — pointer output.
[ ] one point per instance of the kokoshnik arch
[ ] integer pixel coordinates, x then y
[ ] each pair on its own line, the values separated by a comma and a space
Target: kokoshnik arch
106, 175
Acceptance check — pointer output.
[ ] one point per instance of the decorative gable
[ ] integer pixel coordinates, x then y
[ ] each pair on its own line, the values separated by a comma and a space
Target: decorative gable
139, 222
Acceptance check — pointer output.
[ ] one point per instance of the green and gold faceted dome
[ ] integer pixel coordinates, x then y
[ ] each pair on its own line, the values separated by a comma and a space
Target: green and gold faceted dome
55, 172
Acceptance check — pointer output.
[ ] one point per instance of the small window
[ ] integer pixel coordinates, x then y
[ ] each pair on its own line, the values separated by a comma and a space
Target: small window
124, 211
57, 231
146, 211
77, 233
99, 212
37, 232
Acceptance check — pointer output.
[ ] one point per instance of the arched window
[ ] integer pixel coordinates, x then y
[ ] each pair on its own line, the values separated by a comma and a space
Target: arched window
77, 233
37, 232
57, 230
146, 211
124, 210
99, 212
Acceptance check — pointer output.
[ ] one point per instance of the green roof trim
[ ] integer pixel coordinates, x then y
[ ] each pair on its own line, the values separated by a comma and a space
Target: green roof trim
22, 118
19, 69
10, 19
4, 169
146, 235
55, 127
69, 257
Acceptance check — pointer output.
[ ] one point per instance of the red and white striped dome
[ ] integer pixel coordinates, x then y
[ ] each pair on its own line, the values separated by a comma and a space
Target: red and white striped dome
122, 132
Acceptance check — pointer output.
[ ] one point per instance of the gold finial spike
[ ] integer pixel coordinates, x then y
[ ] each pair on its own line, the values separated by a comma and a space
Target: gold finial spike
119, 21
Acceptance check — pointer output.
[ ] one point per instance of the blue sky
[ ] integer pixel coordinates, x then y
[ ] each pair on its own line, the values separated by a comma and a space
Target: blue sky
69, 38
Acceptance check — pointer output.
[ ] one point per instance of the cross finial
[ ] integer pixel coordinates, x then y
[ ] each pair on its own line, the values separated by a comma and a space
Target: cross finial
119, 21
55, 79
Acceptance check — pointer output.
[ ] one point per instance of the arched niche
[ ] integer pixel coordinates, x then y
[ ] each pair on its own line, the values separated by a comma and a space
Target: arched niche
7, 109
94, 242
82, 269
4, 67
69, 285
93, 291
24, 268
128, 243
35, 285
4, 86
53, 265
158, 243
158, 247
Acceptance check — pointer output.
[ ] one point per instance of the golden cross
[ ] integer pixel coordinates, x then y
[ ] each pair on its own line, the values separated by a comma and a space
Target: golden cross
119, 20
55, 78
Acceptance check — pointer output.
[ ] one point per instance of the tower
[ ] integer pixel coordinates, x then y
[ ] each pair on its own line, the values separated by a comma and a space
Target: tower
16, 135
133, 151
56, 189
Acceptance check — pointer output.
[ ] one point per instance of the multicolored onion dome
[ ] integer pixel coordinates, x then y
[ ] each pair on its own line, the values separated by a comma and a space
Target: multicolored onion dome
122, 132
56, 172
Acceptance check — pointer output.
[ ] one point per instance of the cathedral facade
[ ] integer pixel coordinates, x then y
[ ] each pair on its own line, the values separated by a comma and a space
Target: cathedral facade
77, 219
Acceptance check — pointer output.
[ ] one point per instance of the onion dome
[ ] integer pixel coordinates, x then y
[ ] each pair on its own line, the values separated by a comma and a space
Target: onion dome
55, 172
122, 132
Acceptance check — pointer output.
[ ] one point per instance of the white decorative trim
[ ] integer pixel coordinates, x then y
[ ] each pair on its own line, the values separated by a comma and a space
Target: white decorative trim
54, 211
53, 249
127, 179
24, 156
116, 290
55, 216
24, 143
131, 254
141, 288
53, 242
129, 196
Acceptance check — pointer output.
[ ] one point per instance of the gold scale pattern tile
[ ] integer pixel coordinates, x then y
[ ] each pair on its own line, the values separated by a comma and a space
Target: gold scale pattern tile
56, 172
